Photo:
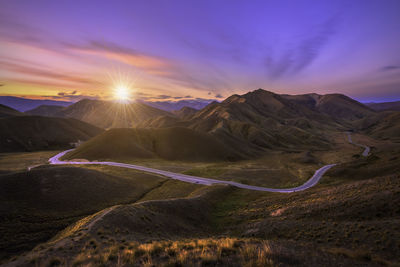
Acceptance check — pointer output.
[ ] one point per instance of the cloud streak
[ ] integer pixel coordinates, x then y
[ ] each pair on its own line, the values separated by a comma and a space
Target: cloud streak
295, 59
149, 63
46, 75
390, 68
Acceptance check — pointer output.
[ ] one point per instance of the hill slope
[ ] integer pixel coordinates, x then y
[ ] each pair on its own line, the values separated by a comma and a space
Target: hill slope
395, 106
36, 204
30, 133
264, 120
185, 112
106, 114
6, 111
24, 104
387, 127
337, 106
175, 143
45, 110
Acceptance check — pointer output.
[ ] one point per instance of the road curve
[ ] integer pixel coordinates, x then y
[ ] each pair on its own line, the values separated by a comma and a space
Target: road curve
366, 148
195, 179
201, 180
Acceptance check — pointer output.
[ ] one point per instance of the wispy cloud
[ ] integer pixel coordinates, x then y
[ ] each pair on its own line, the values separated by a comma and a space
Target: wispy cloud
144, 61
390, 68
294, 59
49, 77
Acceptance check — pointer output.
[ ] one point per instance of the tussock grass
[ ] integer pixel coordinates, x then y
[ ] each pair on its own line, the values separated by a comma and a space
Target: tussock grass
199, 252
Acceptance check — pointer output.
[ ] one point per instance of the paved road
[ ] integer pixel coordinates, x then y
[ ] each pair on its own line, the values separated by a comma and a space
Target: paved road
366, 148
195, 179
201, 180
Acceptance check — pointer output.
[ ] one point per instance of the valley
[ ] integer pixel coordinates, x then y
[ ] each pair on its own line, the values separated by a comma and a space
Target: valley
240, 191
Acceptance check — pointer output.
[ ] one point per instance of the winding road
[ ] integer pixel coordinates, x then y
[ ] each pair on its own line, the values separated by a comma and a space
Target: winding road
366, 148
201, 180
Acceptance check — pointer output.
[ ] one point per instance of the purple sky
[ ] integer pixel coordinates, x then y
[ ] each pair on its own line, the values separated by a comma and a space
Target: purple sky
199, 49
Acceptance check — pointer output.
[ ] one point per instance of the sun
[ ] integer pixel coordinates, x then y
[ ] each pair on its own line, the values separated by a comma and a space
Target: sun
122, 93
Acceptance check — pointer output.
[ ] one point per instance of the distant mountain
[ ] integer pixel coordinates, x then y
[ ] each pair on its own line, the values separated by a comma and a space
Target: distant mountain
262, 120
185, 112
175, 143
107, 114
338, 106
177, 105
45, 110
8, 112
385, 106
24, 104
30, 133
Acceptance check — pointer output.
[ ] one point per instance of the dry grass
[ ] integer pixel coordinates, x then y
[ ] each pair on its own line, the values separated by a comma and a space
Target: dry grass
199, 252
21, 161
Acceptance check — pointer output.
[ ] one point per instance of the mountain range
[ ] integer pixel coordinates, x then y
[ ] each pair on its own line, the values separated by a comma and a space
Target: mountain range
25, 104
248, 124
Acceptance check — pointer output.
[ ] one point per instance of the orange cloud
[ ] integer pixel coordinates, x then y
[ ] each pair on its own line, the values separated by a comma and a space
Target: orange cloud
149, 63
46, 74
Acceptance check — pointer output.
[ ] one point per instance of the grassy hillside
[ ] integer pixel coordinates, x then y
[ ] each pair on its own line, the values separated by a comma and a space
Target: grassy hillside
35, 205
261, 120
264, 120
107, 114
388, 128
185, 113
168, 143
6, 111
223, 226
342, 107
45, 110
30, 133
21, 161
395, 106
350, 218
383, 125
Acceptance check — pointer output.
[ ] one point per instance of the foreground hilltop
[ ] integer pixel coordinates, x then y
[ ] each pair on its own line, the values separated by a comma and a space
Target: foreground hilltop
176, 143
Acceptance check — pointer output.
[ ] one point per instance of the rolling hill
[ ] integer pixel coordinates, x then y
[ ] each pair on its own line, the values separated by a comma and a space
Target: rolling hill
185, 112
175, 143
36, 204
386, 126
177, 105
338, 106
261, 120
6, 111
107, 114
30, 133
24, 104
394, 106
264, 120
45, 110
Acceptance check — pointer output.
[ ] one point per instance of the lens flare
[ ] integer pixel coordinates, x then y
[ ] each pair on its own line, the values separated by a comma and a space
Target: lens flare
122, 93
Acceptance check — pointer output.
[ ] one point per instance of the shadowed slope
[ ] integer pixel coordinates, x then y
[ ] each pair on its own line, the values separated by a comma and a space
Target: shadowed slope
168, 143
6, 111
45, 110
382, 125
106, 114
394, 106
29, 133
36, 204
262, 119
185, 113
